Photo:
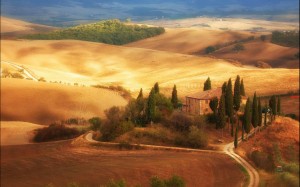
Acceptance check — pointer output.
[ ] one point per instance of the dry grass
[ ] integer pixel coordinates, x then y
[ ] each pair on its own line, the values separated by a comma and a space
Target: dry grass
62, 163
133, 68
44, 103
15, 132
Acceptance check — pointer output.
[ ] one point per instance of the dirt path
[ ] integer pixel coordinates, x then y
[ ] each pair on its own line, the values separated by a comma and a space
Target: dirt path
227, 149
25, 70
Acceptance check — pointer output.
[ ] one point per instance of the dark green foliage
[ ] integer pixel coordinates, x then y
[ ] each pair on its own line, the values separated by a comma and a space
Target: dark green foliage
263, 38
224, 87
174, 181
238, 47
236, 138
297, 55
140, 96
156, 88
278, 106
55, 132
213, 104
207, 84
221, 119
263, 160
174, 98
237, 94
254, 118
286, 38
113, 183
247, 116
181, 122
196, 138
164, 107
243, 131
259, 113
210, 49
272, 105
229, 100
242, 89
95, 123
109, 31
150, 109
291, 115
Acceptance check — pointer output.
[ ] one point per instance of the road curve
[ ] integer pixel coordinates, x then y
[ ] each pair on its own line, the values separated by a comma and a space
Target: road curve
27, 72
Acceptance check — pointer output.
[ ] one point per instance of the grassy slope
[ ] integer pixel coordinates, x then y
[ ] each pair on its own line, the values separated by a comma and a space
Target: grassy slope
133, 68
43, 103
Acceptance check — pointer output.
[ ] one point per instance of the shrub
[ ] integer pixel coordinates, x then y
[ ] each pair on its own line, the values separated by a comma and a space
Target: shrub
113, 183
200, 121
180, 121
263, 160
238, 47
17, 76
211, 118
72, 121
288, 179
55, 132
95, 123
42, 79
263, 38
291, 115
174, 181
196, 138
210, 49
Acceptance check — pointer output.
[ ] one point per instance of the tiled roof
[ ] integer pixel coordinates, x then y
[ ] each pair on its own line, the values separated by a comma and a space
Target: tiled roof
207, 95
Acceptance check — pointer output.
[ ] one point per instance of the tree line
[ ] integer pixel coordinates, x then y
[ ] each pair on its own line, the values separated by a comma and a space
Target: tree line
109, 31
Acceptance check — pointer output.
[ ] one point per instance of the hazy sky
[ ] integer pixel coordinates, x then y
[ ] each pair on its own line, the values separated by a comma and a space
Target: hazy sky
56, 12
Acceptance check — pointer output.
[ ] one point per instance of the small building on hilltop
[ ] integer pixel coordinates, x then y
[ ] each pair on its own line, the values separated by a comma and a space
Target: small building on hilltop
198, 103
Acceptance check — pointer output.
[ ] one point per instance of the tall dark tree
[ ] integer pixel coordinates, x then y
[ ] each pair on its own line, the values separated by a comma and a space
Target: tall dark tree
140, 94
278, 106
259, 113
156, 88
221, 120
272, 104
150, 110
174, 98
247, 117
254, 119
229, 104
224, 86
213, 104
140, 106
236, 137
265, 111
237, 94
207, 84
242, 90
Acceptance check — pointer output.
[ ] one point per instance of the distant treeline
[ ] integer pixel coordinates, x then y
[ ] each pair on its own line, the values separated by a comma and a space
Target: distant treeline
109, 32
286, 38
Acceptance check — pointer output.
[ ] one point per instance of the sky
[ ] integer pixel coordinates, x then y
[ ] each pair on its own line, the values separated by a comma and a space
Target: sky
68, 12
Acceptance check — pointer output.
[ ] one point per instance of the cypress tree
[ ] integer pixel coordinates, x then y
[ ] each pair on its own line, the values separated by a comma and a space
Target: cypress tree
243, 131
259, 113
224, 86
266, 111
229, 104
156, 88
221, 121
207, 84
213, 104
254, 112
237, 94
174, 98
278, 106
242, 90
140, 94
236, 138
247, 117
272, 104
150, 112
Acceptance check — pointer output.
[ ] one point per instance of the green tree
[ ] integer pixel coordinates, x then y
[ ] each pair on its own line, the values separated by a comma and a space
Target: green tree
237, 94
247, 116
259, 113
213, 104
207, 84
156, 88
254, 119
140, 94
150, 110
221, 120
224, 86
278, 105
229, 104
174, 98
242, 90
236, 137
272, 105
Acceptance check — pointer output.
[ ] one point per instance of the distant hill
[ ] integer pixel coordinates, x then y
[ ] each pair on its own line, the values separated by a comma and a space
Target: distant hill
109, 32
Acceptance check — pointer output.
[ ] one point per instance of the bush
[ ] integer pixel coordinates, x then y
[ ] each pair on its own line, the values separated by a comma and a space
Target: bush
263, 160
289, 179
291, 115
55, 132
174, 181
286, 38
112, 183
17, 76
210, 49
196, 138
263, 38
238, 47
211, 118
200, 121
95, 123
181, 122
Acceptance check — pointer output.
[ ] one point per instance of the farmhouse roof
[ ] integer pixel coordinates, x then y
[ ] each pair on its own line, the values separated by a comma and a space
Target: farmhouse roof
207, 95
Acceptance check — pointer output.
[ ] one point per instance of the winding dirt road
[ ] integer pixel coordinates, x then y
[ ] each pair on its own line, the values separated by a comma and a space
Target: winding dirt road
27, 72
227, 149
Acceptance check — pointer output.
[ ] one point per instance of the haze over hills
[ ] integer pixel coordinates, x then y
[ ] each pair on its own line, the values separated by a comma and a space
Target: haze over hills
66, 12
